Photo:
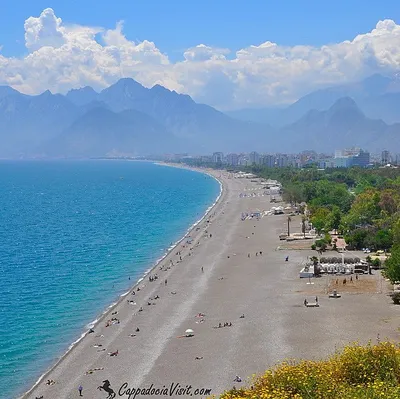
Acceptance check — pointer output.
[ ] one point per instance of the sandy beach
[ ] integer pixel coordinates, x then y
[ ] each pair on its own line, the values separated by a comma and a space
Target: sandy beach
215, 279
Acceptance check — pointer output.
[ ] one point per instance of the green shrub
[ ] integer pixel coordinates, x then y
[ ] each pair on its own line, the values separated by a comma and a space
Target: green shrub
376, 263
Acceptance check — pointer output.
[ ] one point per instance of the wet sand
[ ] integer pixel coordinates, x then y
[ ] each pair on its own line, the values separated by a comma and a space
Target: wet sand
266, 289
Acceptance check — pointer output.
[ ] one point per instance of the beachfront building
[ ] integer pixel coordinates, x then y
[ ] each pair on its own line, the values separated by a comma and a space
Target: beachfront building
244, 160
351, 157
206, 159
218, 157
232, 159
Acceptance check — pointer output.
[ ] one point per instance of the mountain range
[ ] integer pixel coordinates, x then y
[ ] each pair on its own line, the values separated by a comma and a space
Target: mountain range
377, 96
127, 118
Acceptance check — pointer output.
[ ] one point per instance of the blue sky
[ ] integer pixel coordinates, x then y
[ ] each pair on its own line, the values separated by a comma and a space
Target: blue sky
178, 24
229, 54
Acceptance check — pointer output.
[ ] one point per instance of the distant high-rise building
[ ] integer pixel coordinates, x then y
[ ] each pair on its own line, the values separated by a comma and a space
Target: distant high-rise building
309, 154
218, 157
351, 157
232, 159
243, 160
254, 158
386, 158
268, 161
281, 160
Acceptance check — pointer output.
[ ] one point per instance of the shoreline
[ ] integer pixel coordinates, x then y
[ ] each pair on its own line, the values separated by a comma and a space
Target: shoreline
121, 298
245, 310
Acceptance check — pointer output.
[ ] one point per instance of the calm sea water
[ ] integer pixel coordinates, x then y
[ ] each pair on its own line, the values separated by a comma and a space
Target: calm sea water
71, 235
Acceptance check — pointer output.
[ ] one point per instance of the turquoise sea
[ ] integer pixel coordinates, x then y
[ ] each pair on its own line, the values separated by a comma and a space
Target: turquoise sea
72, 233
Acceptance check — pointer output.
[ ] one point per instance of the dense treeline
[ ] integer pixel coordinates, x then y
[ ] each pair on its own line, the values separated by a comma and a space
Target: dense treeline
361, 204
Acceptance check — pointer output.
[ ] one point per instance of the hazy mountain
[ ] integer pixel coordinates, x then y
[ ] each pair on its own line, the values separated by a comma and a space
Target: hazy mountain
342, 125
82, 96
100, 132
8, 91
202, 127
78, 119
377, 96
26, 121
257, 115
129, 118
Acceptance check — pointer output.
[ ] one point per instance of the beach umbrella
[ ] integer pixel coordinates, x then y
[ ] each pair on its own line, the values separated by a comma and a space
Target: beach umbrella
189, 332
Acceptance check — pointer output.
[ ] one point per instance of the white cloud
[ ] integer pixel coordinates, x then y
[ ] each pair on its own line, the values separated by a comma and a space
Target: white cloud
63, 56
202, 52
43, 31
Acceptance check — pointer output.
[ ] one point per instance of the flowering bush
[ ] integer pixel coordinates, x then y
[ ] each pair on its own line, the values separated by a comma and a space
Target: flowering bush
371, 371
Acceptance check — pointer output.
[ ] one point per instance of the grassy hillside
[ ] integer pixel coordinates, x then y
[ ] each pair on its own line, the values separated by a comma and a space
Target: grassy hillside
371, 371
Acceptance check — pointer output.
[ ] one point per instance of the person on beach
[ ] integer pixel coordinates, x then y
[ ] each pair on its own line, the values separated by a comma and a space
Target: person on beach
202, 269
80, 389
165, 282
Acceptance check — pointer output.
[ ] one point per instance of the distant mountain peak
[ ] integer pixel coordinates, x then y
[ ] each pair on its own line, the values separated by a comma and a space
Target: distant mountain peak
46, 93
125, 87
127, 82
158, 87
85, 89
82, 95
344, 103
7, 90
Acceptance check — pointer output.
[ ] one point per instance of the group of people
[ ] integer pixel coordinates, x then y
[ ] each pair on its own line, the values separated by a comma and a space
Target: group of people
153, 278
112, 321
225, 325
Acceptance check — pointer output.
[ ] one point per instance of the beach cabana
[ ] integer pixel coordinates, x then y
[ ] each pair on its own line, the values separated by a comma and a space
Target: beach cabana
189, 332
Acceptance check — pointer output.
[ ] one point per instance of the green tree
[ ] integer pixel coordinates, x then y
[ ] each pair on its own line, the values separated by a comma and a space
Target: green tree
364, 210
357, 238
383, 239
392, 266
319, 218
335, 218
396, 233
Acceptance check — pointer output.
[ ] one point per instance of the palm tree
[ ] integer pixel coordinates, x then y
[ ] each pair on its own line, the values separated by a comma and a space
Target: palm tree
289, 219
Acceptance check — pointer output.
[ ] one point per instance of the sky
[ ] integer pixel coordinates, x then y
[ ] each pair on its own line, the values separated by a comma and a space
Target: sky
229, 54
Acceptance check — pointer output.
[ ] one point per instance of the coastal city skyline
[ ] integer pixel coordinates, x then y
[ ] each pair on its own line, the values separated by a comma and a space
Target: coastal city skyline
340, 159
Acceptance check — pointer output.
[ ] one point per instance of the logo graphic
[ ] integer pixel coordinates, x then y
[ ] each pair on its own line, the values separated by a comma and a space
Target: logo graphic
107, 387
